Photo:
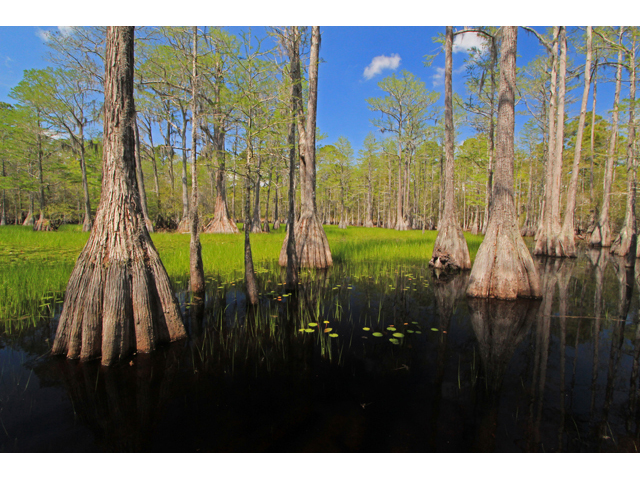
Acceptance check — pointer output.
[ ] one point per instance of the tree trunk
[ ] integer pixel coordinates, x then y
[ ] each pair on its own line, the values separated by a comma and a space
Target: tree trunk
291, 251
265, 226
368, 222
593, 129
3, 216
601, 236
567, 238
42, 224
119, 298
87, 223
140, 180
503, 267
625, 243
196, 269
450, 251
312, 246
548, 240
276, 214
185, 223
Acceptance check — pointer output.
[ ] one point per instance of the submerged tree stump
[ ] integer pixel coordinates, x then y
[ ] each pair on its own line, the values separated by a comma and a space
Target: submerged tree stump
119, 298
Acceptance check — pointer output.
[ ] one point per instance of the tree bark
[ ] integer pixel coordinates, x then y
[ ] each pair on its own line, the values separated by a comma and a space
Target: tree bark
140, 179
503, 267
196, 269
185, 223
450, 251
625, 244
548, 240
87, 223
312, 246
42, 224
119, 298
567, 237
601, 236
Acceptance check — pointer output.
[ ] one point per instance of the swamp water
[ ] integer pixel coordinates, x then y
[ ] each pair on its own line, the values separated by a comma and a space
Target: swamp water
368, 358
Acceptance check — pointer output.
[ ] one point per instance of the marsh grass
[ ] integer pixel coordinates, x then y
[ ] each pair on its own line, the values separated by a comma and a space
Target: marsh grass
35, 266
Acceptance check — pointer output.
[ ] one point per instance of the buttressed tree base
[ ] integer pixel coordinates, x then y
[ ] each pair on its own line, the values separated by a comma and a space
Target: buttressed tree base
119, 298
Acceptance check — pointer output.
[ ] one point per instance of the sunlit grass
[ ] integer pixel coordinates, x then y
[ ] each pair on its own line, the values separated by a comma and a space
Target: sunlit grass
35, 266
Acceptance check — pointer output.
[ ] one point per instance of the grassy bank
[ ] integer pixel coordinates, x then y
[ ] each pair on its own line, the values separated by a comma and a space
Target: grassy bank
35, 266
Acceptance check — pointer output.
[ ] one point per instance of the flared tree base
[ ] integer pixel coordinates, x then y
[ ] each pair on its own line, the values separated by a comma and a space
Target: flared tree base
42, 225
503, 267
119, 299
601, 236
450, 251
312, 246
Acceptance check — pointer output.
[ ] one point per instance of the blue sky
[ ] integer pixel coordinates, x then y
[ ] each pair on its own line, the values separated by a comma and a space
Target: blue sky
343, 86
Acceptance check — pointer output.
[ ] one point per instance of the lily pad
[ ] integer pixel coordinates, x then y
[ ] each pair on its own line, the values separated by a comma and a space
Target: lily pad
418, 332
434, 329
398, 335
409, 331
394, 341
334, 335
377, 334
309, 330
366, 329
313, 324
327, 330
391, 329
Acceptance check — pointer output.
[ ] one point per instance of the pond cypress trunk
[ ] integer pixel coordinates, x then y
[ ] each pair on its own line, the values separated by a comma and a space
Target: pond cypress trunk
503, 267
601, 236
450, 251
312, 246
119, 298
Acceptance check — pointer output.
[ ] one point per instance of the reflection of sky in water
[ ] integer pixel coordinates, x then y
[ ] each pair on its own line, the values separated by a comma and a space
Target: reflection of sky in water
252, 381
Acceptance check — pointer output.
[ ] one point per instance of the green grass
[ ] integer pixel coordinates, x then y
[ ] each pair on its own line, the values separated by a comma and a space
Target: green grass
35, 266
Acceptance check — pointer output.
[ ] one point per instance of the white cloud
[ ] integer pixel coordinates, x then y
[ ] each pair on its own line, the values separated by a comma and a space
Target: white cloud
380, 63
467, 41
65, 31
43, 34
438, 77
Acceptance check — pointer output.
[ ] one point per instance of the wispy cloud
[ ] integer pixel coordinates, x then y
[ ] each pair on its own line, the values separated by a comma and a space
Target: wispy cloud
7, 59
467, 41
66, 31
43, 34
380, 63
438, 77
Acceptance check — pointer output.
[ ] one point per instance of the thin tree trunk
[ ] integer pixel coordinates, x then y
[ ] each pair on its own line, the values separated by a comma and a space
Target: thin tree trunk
567, 238
87, 223
601, 236
548, 240
119, 298
196, 269
450, 251
140, 180
291, 254
42, 224
625, 243
185, 224
265, 227
503, 267
593, 129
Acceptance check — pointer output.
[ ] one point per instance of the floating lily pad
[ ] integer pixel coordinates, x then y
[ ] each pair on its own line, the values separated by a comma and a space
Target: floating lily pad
377, 334
409, 331
434, 329
313, 324
366, 329
334, 335
327, 330
418, 331
415, 323
391, 329
398, 335
309, 330
302, 330
394, 341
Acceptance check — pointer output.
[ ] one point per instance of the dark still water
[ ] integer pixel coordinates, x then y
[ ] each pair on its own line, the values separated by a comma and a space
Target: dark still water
371, 358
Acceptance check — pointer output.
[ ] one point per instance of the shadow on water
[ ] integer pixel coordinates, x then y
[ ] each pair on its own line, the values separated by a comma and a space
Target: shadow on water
380, 357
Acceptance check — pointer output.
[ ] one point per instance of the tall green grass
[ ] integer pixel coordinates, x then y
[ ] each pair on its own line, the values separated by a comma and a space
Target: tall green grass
35, 266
